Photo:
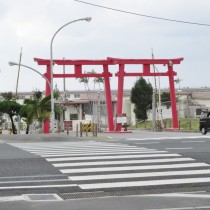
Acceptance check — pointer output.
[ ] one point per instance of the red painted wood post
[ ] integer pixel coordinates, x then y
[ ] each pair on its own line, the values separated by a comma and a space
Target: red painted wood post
108, 98
173, 96
120, 94
47, 92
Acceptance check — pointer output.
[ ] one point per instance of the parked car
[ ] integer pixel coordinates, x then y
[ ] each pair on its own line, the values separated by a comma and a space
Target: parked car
205, 121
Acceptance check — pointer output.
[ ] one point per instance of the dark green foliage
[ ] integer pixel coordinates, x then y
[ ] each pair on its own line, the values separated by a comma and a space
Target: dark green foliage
37, 94
12, 108
7, 95
141, 96
38, 109
165, 99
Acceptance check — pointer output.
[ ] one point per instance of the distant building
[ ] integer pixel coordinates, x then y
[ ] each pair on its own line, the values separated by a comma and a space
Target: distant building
91, 106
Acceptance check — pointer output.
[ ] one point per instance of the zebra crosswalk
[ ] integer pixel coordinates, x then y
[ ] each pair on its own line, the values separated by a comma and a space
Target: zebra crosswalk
106, 165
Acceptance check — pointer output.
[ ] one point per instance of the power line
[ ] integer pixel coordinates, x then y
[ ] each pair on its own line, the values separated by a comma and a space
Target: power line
143, 15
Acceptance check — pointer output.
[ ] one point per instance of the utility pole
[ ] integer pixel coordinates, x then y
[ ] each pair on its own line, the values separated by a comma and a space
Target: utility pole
153, 111
16, 93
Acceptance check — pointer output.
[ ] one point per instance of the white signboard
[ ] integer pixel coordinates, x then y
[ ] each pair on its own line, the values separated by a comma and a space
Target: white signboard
121, 120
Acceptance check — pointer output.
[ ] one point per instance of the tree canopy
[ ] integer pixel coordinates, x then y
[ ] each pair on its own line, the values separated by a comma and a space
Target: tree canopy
38, 108
141, 96
10, 107
165, 99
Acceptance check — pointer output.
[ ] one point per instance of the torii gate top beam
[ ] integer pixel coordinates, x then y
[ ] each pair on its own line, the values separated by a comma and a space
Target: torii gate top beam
145, 61
109, 61
73, 62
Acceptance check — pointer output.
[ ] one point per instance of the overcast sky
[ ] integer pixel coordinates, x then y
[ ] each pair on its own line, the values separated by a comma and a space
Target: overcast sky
30, 24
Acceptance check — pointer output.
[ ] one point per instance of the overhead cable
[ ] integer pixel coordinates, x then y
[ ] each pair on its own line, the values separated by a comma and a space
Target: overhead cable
143, 15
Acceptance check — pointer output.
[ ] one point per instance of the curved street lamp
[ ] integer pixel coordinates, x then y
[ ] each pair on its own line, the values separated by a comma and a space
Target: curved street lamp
88, 19
11, 63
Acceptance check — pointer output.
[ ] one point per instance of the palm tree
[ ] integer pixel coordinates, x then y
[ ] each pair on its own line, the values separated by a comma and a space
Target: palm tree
38, 109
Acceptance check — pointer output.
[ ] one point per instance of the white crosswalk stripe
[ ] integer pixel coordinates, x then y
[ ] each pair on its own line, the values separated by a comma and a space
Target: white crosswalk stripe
103, 165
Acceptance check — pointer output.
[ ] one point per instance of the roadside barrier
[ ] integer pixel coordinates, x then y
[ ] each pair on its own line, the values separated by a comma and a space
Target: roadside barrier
87, 127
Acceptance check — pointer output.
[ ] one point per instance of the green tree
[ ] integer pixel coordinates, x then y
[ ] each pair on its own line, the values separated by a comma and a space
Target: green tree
7, 95
141, 96
27, 113
12, 108
38, 109
2, 120
165, 99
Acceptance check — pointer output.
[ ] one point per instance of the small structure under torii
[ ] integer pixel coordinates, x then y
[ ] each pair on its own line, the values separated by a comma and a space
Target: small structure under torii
146, 71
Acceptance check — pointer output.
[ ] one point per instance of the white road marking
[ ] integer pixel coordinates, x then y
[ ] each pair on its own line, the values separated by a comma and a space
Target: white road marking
84, 150
180, 148
90, 151
111, 157
149, 143
193, 141
184, 208
98, 153
38, 186
138, 175
182, 195
35, 176
34, 181
122, 162
69, 148
128, 168
144, 183
65, 145
167, 138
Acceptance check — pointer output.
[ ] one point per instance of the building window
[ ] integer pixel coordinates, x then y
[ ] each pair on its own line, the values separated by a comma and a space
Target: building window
21, 97
76, 95
73, 116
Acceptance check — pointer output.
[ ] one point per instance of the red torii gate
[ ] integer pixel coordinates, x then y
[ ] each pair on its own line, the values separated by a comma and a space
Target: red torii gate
120, 74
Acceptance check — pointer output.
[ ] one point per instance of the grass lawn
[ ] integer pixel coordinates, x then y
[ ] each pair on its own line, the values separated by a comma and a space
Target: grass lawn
185, 124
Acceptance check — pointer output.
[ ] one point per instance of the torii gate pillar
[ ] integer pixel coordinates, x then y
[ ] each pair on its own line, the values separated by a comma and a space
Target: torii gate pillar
173, 97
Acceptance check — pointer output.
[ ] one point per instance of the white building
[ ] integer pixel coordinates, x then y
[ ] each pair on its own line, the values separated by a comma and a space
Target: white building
91, 106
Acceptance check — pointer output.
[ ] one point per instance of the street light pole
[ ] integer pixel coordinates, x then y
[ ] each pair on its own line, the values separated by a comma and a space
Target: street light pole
88, 19
11, 63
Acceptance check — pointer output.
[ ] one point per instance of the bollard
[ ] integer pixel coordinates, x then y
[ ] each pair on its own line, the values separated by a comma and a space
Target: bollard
0, 131
10, 131
77, 130
80, 129
96, 131
67, 130
125, 126
95, 128
86, 129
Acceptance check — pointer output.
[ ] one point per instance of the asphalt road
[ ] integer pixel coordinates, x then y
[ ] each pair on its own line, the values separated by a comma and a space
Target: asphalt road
141, 163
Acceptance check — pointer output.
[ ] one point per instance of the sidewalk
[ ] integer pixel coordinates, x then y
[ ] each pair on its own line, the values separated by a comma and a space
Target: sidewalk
5, 137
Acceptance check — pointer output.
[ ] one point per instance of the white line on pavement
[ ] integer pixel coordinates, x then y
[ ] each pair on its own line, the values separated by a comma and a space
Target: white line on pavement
128, 168
122, 162
34, 181
144, 183
111, 157
149, 143
138, 175
98, 153
183, 208
180, 148
193, 141
167, 138
37, 186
